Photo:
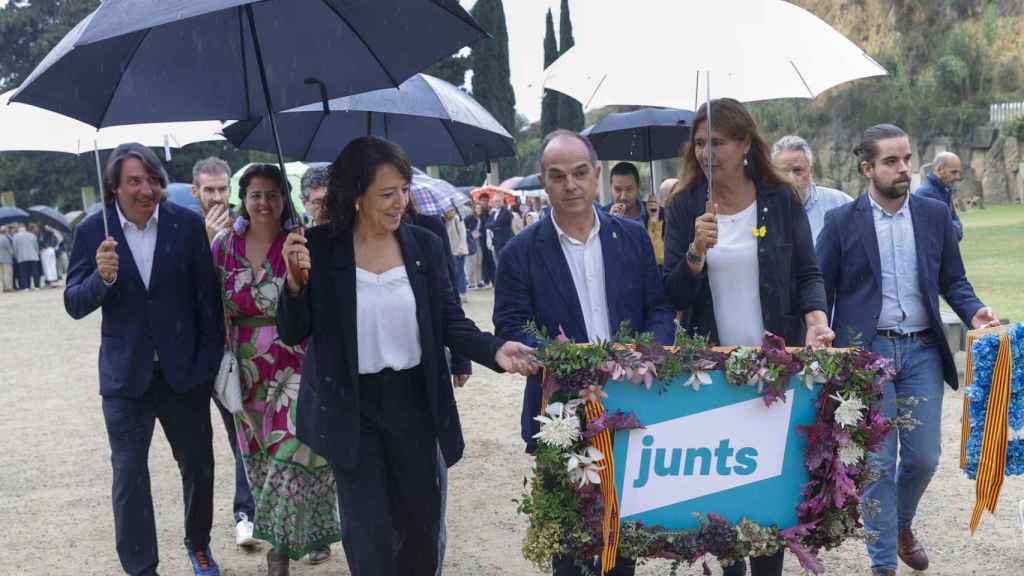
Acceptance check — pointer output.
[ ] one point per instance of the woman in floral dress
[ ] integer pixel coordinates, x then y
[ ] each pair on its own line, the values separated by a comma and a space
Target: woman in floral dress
294, 489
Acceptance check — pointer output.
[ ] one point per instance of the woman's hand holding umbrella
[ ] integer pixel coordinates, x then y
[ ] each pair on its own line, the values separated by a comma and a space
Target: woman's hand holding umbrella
296, 257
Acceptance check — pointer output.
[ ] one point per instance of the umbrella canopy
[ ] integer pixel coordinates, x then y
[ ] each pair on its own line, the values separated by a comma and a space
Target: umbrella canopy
12, 215
294, 172
181, 194
643, 135
490, 191
135, 61
435, 122
31, 129
753, 49
531, 182
51, 217
433, 196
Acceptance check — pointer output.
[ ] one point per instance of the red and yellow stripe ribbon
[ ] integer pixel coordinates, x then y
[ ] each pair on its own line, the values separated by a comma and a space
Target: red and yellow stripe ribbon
603, 442
995, 435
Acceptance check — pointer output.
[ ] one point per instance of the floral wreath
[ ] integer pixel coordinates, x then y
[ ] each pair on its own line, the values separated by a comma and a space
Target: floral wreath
565, 502
985, 351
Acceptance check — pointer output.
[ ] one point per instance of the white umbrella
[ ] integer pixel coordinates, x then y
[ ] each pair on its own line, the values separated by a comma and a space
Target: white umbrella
27, 128
31, 129
753, 50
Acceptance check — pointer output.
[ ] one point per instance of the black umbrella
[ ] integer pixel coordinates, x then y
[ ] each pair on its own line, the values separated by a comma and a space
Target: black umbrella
435, 122
51, 217
643, 135
531, 182
12, 215
137, 61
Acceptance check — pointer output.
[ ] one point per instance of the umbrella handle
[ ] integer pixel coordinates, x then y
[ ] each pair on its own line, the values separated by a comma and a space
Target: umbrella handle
323, 92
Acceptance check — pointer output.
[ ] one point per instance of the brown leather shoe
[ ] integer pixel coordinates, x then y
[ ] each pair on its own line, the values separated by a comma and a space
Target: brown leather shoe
911, 551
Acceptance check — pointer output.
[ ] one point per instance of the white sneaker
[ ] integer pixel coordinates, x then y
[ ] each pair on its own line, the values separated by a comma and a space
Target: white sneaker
243, 533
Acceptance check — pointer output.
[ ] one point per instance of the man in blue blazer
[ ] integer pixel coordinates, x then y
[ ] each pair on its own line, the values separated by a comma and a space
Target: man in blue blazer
886, 258
499, 224
162, 338
581, 271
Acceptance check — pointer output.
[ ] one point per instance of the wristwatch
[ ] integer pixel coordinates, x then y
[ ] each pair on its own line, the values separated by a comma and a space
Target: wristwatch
692, 257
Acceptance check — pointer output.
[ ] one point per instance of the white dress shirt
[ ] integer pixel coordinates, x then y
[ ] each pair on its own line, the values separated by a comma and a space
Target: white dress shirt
586, 264
387, 332
734, 275
141, 242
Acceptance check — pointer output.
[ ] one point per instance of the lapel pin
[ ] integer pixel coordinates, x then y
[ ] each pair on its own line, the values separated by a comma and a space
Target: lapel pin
615, 235
417, 263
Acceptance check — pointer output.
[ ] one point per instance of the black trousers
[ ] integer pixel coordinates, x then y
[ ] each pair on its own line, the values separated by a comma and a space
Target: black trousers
244, 504
390, 502
565, 566
759, 566
31, 269
185, 419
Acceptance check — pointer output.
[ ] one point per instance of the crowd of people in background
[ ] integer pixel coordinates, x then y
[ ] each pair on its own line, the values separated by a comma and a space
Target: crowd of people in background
32, 256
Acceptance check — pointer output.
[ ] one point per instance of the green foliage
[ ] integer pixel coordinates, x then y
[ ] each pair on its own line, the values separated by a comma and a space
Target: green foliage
491, 85
452, 69
570, 111
549, 103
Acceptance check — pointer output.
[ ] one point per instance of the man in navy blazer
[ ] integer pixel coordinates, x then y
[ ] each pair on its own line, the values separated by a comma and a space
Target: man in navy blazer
162, 338
581, 271
886, 258
499, 224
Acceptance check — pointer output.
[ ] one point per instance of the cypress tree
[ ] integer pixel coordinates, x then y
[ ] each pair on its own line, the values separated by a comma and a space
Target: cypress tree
549, 103
492, 86
570, 112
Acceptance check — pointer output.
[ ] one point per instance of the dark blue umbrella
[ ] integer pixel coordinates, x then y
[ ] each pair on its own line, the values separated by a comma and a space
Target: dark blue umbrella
435, 122
51, 217
137, 61
12, 215
643, 135
531, 182
181, 194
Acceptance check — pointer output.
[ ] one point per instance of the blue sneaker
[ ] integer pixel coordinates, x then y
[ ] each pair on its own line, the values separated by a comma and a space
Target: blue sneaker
203, 563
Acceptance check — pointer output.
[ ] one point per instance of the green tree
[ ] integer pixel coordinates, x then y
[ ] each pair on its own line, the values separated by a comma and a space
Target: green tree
570, 111
492, 87
550, 100
452, 69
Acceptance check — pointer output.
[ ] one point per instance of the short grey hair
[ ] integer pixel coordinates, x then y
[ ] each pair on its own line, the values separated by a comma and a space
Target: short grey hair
112, 173
210, 166
562, 133
794, 143
943, 158
315, 177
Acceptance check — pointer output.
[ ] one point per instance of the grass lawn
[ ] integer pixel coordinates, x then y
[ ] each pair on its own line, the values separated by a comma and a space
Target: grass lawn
993, 253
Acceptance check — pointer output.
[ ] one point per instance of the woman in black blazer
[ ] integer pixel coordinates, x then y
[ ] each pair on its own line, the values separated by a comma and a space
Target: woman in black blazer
740, 260
376, 397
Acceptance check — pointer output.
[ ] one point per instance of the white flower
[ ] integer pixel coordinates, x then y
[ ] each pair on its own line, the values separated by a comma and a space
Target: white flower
813, 375
850, 454
561, 427
697, 379
583, 468
850, 410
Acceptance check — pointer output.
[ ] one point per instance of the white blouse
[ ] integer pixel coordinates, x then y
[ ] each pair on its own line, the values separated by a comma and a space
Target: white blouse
733, 274
387, 332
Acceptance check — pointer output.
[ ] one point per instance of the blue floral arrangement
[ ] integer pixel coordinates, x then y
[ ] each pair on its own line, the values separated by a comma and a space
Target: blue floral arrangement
985, 351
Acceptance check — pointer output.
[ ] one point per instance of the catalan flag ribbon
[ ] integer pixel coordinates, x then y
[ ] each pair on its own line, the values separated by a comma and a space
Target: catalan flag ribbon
603, 442
995, 437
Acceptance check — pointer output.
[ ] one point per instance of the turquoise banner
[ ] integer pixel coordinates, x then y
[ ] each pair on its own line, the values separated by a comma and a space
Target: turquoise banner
718, 450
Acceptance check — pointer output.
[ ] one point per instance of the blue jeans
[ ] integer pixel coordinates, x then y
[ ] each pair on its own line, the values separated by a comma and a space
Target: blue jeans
460, 274
918, 365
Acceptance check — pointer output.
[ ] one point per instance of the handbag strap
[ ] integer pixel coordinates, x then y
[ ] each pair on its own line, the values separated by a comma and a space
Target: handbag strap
229, 239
